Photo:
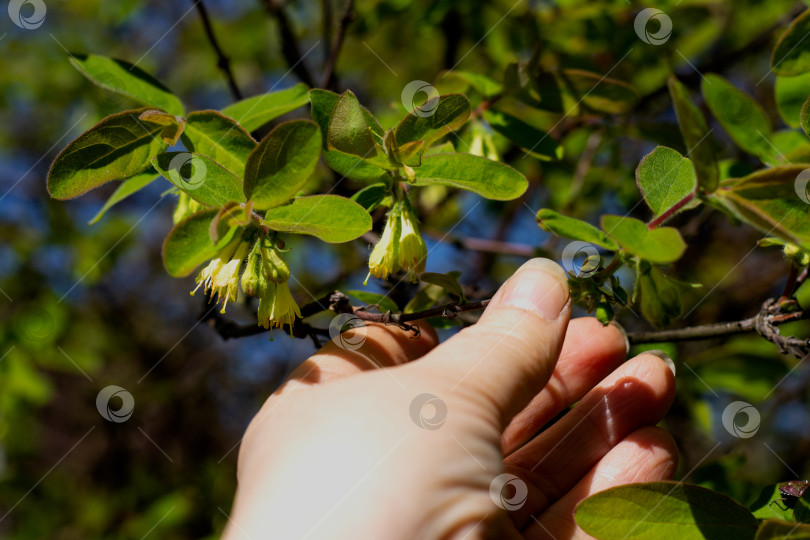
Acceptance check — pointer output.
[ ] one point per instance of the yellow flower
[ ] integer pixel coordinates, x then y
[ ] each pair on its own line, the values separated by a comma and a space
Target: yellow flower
383, 259
277, 306
221, 276
412, 249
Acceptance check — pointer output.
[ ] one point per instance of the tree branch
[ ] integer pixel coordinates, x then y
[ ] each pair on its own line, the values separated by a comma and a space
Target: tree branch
329, 80
223, 62
289, 43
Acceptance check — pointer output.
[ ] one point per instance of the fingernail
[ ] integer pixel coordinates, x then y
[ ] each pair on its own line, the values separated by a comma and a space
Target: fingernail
663, 356
540, 286
623, 332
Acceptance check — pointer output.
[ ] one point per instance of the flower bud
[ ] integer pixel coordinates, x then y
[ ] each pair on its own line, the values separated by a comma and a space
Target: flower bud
384, 257
277, 306
412, 249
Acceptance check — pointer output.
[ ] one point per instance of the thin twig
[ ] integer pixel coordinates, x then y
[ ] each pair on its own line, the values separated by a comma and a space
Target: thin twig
223, 62
329, 78
289, 43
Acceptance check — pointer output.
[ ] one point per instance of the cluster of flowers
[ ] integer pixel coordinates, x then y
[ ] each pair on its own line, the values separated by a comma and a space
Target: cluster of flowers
265, 276
400, 246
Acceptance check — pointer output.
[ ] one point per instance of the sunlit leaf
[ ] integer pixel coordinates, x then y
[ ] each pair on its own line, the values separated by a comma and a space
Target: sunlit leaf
118, 147
253, 112
329, 217
490, 179
664, 510
126, 79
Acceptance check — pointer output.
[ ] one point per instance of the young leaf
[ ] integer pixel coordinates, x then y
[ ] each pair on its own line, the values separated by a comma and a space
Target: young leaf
213, 134
775, 200
696, 136
490, 179
661, 246
282, 162
741, 116
118, 147
202, 178
572, 228
790, 94
127, 188
665, 178
370, 197
774, 529
126, 79
535, 141
331, 218
173, 126
435, 118
188, 244
594, 91
448, 282
349, 130
658, 296
791, 56
383, 302
664, 510
254, 112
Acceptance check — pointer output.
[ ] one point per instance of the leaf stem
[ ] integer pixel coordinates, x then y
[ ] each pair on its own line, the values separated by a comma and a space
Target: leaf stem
671, 211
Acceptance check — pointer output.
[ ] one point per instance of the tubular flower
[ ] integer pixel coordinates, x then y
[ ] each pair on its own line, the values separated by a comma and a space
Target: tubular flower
412, 249
383, 259
253, 281
277, 306
275, 268
206, 276
226, 279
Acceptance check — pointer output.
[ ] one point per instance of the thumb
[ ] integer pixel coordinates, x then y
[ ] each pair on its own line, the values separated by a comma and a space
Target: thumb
509, 354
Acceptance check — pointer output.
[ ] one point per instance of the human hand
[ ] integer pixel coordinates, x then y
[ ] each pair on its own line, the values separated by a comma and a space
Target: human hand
354, 446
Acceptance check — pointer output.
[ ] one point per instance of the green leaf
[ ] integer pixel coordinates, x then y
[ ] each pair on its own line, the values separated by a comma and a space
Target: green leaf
370, 197
427, 296
127, 188
742, 117
658, 296
282, 162
189, 244
460, 81
126, 79
353, 167
664, 510
662, 245
791, 56
480, 175
572, 228
696, 136
331, 218
535, 141
665, 178
448, 282
433, 120
202, 178
774, 529
348, 130
770, 503
213, 134
790, 94
383, 302
585, 89
324, 102
775, 200
254, 112
118, 147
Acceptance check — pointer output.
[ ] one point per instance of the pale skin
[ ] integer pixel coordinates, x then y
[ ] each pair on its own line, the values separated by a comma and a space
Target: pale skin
337, 451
